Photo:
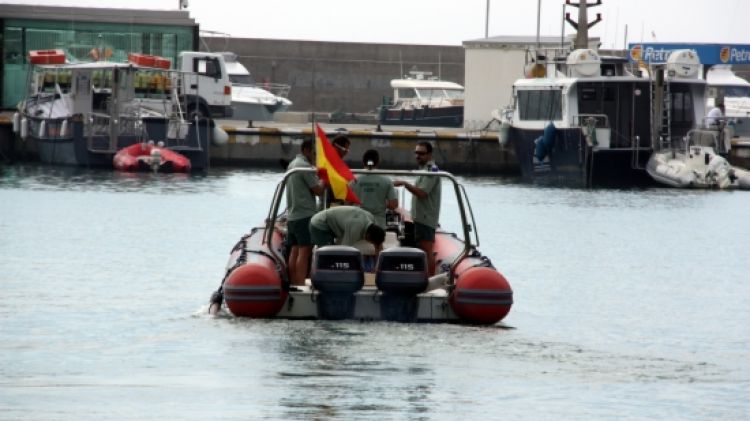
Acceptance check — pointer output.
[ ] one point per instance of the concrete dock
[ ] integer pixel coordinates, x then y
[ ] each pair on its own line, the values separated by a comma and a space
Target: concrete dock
455, 150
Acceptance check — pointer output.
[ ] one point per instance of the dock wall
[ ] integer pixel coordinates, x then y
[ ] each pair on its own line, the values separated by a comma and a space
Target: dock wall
455, 152
338, 76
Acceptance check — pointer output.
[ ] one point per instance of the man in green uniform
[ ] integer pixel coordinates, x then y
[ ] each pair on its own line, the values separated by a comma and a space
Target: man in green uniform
375, 191
425, 205
301, 190
345, 225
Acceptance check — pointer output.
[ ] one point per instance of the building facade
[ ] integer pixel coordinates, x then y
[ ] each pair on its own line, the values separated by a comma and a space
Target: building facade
85, 34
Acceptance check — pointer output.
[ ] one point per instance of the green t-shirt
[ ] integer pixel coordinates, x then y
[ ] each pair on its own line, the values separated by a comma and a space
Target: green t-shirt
347, 223
427, 211
300, 200
373, 191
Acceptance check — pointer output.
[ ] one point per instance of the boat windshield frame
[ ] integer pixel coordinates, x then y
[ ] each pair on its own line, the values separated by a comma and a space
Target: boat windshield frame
468, 222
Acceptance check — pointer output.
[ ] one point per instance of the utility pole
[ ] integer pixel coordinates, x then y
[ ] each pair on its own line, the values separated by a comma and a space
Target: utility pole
487, 21
583, 24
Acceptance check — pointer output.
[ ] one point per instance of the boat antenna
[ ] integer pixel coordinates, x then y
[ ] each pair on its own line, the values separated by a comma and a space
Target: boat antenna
538, 23
401, 64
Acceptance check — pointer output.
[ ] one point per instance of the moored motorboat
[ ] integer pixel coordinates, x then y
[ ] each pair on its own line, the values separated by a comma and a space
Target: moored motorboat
147, 156
583, 119
421, 100
254, 101
466, 287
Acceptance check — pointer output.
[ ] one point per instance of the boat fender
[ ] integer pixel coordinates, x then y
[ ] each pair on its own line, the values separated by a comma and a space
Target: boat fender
504, 133
42, 129
220, 136
24, 131
481, 295
255, 289
16, 122
545, 142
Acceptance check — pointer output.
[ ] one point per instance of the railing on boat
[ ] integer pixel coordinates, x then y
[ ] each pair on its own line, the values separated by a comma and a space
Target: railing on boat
468, 223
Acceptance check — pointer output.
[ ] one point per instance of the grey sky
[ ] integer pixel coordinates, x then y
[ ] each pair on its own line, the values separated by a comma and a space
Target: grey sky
449, 22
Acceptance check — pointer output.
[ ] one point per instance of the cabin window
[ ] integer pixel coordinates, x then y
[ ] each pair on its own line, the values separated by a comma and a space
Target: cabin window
406, 93
241, 79
543, 105
737, 91
682, 108
454, 93
207, 67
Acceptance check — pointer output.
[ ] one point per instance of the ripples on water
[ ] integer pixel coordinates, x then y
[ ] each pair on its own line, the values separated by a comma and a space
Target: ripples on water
629, 303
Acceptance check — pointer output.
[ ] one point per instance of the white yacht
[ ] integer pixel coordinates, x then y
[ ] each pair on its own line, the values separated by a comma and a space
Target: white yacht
723, 83
421, 100
253, 101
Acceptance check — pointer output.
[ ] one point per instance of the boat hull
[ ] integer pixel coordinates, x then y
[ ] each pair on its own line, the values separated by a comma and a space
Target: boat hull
570, 161
74, 146
255, 286
256, 112
452, 116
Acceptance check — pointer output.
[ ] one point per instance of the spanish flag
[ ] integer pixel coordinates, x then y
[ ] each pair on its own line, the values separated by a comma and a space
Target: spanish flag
332, 169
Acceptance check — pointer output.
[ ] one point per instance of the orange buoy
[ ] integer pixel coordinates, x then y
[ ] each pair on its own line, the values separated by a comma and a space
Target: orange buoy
482, 295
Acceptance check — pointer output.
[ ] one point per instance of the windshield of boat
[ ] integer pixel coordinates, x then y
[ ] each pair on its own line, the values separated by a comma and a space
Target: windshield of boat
431, 93
241, 79
737, 91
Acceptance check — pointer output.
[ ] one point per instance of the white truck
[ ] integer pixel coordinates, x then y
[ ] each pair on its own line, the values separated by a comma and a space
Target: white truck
206, 90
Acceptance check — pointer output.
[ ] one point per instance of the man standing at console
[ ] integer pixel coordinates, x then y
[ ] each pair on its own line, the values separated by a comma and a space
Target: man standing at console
301, 190
425, 205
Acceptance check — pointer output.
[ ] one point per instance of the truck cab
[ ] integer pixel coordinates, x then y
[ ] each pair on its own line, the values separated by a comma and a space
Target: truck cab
207, 89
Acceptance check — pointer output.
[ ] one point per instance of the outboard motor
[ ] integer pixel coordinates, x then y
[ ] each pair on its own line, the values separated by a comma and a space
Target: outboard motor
337, 275
401, 275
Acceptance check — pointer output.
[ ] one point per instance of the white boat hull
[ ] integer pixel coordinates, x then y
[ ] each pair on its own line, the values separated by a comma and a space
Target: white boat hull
696, 167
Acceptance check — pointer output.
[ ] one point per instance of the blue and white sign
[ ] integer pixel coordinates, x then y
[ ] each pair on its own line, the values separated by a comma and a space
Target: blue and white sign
709, 54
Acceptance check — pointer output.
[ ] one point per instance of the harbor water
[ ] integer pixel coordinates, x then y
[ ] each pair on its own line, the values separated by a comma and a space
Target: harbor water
629, 304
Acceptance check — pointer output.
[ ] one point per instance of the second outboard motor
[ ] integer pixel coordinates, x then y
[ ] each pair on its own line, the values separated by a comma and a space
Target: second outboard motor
401, 275
337, 275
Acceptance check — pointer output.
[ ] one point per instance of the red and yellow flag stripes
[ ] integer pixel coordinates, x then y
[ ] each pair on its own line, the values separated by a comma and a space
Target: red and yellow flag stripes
332, 169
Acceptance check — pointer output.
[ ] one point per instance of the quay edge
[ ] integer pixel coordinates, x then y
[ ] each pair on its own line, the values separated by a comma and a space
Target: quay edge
455, 151
461, 152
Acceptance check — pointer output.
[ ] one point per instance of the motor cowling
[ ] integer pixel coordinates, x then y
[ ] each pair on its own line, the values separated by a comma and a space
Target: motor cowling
402, 270
337, 275
401, 275
481, 295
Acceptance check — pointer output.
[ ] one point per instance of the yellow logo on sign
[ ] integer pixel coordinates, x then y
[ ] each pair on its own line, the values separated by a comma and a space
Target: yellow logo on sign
636, 53
724, 54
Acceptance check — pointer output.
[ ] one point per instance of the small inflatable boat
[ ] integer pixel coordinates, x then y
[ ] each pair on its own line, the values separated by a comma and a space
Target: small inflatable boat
150, 157
357, 283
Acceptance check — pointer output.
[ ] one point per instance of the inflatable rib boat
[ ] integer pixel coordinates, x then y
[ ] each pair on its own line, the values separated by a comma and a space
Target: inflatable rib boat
356, 283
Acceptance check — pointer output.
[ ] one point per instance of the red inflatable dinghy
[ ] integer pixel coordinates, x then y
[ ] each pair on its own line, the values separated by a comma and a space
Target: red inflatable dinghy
147, 156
